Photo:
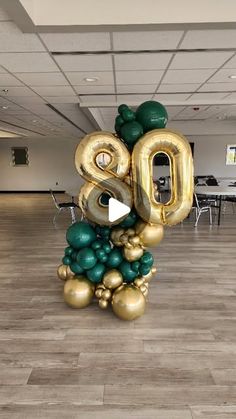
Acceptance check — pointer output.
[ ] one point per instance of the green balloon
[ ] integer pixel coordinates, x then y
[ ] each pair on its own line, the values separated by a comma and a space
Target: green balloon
80, 235
147, 259
101, 255
74, 266
144, 269
69, 251
135, 265
128, 115
106, 247
97, 244
151, 115
127, 272
66, 260
86, 258
119, 122
74, 255
114, 258
96, 273
131, 132
122, 108
130, 220
105, 231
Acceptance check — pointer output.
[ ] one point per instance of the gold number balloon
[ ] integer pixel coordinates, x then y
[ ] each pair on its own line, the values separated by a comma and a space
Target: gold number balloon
178, 150
107, 179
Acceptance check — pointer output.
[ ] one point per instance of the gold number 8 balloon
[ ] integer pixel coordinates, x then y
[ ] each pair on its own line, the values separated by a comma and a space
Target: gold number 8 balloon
110, 261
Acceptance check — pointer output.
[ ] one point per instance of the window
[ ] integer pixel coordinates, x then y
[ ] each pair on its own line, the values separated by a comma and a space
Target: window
20, 156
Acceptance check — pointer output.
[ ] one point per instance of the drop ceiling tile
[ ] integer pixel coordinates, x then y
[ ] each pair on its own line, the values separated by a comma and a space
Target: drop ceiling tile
130, 99
98, 99
209, 38
84, 62
13, 40
208, 96
2, 70
94, 89
77, 78
27, 100
61, 99
43, 79
178, 88
218, 87
138, 77
223, 76
187, 76
20, 91
136, 88
94, 41
7, 80
28, 62
54, 90
173, 110
232, 96
3, 15
231, 63
142, 61
171, 97
192, 60
190, 112
146, 40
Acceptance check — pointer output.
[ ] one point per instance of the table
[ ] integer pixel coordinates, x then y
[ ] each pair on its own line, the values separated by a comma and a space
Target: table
218, 191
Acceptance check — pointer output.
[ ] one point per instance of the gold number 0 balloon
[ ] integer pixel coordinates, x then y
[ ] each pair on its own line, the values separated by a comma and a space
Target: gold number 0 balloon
178, 150
102, 179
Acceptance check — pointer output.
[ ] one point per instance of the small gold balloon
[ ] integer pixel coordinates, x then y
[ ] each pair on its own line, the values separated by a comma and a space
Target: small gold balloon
130, 232
78, 292
134, 240
129, 245
139, 281
145, 293
116, 233
133, 254
102, 286
64, 272
154, 269
102, 303
143, 288
112, 279
128, 302
106, 294
150, 234
98, 292
124, 238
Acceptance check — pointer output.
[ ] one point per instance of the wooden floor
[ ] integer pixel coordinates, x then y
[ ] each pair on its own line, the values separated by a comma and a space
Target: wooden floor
176, 362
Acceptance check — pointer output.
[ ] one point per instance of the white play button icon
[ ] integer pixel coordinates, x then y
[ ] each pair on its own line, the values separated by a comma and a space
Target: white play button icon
116, 210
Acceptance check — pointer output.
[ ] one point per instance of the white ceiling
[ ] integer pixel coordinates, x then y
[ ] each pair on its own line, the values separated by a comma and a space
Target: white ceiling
130, 67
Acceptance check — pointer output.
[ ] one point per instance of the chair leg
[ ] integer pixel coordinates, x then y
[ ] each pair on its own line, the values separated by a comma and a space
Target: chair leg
198, 213
55, 216
73, 215
210, 216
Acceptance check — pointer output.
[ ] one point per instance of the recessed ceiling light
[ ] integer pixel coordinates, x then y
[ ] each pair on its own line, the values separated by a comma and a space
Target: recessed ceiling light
233, 76
91, 79
5, 90
5, 107
34, 120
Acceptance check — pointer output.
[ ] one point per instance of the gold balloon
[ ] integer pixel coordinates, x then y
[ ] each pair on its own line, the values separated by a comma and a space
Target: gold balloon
103, 303
128, 302
112, 279
78, 292
139, 281
135, 240
98, 292
64, 272
133, 254
106, 294
102, 179
149, 234
116, 234
178, 150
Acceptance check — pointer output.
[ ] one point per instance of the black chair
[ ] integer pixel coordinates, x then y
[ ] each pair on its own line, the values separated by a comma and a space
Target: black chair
63, 206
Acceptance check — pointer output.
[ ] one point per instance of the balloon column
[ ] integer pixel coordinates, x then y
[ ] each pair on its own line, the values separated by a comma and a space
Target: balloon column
107, 260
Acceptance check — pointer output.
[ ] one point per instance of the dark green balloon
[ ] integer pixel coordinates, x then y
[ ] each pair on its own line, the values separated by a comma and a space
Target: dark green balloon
96, 273
97, 244
106, 247
86, 258
151, 115
74, 255
127, 272
105, 231
80, 235
101, 255
128, 115
114, 258
147, 259
74, 266
135, 265
66, 260
144, 269
131, 132
130, 220
69, 251
119, 122
123, 107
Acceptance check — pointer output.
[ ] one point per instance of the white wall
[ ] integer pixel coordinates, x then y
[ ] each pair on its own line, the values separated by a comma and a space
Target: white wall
50, 161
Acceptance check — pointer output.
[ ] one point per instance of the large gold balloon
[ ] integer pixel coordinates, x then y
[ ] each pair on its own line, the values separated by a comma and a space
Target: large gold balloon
128, 302
64, 272
108, 179
78, 292
178, 150
133, 253
112, 279
150, 234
